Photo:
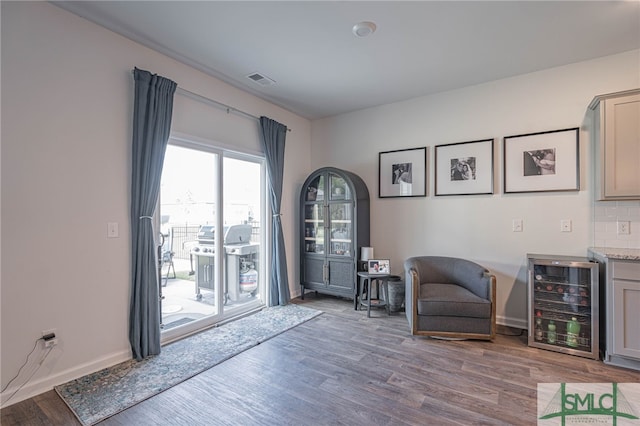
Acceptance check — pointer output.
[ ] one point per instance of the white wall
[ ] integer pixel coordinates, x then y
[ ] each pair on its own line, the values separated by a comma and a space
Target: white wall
66, 130
479, 227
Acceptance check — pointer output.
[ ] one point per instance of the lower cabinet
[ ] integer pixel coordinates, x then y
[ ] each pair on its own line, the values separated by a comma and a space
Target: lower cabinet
335, 277
620, 336
625, 309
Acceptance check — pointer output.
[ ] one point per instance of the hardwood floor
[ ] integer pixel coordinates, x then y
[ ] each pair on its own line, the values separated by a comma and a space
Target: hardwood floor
345, 368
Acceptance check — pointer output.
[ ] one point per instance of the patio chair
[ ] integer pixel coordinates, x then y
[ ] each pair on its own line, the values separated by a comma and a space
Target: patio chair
166, 255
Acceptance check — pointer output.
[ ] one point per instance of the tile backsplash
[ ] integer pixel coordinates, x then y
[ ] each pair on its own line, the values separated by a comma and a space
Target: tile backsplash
606, 216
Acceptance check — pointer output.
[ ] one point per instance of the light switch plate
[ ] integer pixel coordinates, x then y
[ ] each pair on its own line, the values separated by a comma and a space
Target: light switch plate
517, 225
565, 225
112, 230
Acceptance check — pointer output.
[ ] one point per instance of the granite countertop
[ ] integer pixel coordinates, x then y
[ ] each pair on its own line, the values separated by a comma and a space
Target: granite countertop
616, 253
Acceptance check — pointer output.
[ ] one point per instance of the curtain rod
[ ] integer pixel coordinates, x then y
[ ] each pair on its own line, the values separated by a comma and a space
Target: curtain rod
210, 101
205, 100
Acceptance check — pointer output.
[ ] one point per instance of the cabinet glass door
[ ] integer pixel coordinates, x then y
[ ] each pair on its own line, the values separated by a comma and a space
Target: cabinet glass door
314, 228
341, 229
315, 190
338, 188
564, 301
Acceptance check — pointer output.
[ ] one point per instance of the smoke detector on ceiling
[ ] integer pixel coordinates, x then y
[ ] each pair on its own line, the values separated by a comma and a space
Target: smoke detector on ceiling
261, 79
364, 29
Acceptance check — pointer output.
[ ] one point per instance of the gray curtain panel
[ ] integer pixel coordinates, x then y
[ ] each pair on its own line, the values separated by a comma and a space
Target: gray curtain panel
272, 138
152, 110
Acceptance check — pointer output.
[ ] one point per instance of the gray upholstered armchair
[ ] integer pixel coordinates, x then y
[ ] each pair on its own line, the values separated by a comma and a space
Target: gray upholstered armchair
450, 297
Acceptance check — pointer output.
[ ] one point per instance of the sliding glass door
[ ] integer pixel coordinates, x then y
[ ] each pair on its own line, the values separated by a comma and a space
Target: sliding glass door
211, 239
243, 215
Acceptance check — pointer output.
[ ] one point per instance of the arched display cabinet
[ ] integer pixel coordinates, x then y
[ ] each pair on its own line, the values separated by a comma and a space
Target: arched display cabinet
334, 226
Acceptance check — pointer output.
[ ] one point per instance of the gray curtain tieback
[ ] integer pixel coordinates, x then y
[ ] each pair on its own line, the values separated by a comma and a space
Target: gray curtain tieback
145, 217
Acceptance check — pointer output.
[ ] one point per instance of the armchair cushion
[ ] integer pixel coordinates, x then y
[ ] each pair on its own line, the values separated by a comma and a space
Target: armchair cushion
451, 300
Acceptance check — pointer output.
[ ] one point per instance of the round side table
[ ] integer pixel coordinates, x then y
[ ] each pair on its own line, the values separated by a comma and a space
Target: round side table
381, 300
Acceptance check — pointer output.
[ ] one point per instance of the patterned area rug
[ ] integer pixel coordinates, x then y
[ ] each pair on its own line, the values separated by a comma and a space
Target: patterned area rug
99, 395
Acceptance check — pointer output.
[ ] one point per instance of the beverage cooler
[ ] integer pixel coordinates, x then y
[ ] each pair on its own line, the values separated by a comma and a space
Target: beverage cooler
563, 304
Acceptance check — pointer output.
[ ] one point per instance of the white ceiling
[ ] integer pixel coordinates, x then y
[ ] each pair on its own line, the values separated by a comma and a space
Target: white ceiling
421, 47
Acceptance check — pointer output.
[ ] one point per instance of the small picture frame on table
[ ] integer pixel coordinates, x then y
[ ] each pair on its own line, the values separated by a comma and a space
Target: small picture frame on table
464, 168
378, 266
402, 173
544, 161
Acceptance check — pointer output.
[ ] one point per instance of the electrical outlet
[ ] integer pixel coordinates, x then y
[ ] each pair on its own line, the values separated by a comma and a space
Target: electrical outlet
50, 331
51, 342
517, 225
49, 338
623, 227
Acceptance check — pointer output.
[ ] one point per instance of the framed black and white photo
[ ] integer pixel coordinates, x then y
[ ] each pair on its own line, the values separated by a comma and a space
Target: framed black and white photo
464, 168
403, 173
544, 161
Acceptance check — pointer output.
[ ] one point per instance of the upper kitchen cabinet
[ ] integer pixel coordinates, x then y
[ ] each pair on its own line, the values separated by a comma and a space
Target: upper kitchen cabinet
613, 122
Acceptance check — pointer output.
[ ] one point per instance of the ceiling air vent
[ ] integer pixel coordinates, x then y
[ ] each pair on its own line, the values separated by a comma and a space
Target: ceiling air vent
261, 79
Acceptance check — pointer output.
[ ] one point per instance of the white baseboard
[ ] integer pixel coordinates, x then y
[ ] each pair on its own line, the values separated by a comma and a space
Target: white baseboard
512, 322
47, 383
